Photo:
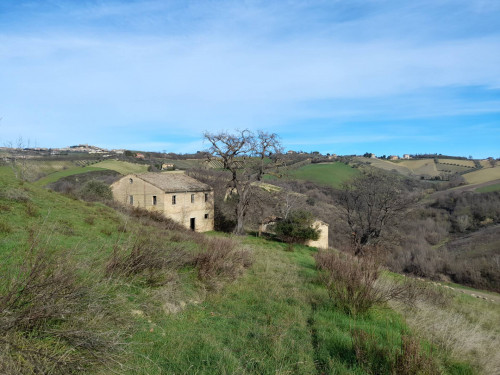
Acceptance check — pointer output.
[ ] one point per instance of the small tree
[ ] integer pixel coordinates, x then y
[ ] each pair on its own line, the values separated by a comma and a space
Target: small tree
296, 228
372, 202
247, 157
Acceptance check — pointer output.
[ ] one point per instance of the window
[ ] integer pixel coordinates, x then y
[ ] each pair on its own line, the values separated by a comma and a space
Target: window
192, 198
206, 216
173, 199
131, 181
154, 200
131, 199
206, 197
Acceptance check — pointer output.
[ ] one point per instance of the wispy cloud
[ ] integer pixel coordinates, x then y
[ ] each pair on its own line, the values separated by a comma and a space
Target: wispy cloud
168, 68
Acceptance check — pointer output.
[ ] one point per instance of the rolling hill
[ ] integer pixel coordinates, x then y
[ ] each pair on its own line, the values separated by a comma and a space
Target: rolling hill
332, 174
130, 294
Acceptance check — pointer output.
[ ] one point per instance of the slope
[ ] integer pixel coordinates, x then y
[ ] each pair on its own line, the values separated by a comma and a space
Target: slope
332, 174
276, 318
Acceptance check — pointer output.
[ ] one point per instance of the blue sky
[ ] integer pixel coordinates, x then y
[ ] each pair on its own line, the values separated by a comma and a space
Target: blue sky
338, 76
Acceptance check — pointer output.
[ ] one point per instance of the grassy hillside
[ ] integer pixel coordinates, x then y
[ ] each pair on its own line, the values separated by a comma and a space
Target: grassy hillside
55, 176
460, 162
332, 174
425, 167
122, 167
489, 188
483, 175
121, 292
385, 165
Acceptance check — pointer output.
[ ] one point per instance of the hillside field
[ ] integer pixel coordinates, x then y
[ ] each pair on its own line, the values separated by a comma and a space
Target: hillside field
489, 188
483, 175
271, 317
385, 165
123, 167
332, 174
421, 166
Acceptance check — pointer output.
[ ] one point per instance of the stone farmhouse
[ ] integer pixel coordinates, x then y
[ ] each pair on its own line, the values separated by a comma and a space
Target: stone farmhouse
179, 197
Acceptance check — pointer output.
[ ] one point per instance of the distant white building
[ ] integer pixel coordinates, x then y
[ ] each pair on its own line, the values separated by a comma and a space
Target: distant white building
406, 156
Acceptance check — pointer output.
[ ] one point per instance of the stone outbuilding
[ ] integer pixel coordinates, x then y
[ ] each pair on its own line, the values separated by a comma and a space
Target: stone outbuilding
320, 243
176, 195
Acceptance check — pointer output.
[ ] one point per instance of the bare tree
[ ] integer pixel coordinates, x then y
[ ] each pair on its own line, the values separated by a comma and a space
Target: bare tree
372, 202
247, 157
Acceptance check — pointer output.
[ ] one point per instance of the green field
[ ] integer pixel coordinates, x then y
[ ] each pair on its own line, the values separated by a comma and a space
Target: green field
489, 188
123, 167
332, 174
53, 177
483, 175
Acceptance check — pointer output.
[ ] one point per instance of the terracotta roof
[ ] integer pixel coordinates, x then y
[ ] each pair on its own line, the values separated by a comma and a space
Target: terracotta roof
174, 182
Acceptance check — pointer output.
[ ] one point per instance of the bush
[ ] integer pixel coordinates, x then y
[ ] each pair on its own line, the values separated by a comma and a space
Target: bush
94, 190
149, 258
353, 283
296, 228
350, 281
221, 260
47, 319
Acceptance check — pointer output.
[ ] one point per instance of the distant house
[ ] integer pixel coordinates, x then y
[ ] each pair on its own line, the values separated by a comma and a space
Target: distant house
393, 157
406, 156
167, 166
321, 242
139, 156
373, 156
179, 197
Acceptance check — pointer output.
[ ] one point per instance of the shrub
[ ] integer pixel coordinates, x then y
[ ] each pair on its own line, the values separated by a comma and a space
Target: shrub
47, 317
221, 259
296, 228
149, 258
94, 190
350, 280
353, 284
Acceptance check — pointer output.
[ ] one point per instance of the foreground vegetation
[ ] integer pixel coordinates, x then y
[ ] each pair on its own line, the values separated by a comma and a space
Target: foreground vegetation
96, 289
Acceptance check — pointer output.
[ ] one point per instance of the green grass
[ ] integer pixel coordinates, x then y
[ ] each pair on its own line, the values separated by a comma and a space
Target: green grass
332, 174
489, 188
275, 319
122, 167
53, 177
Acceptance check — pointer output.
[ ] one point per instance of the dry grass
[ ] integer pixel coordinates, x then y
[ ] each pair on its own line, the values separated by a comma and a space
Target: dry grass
466, 329
353, 283
147, 257
221, 260
483, 175
50, 322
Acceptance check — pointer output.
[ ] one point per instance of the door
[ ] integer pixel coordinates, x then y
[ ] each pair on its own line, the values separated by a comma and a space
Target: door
192, 223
